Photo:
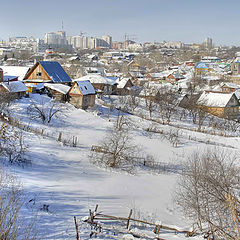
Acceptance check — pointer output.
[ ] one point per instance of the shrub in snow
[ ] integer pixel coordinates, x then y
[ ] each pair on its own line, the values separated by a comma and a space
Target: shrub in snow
209, 193
12, 225
12, 145
117, 150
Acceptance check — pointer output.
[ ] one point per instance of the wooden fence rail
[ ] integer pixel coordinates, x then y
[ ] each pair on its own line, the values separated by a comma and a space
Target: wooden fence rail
144, 162
95, 217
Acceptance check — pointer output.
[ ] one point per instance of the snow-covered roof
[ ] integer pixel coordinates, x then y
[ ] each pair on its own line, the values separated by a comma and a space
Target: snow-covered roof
86, 87
14, 86
58, 87
95, 78
121, 82
18, 71
230, 85
237, 59
31, 85
162, 74
214, 99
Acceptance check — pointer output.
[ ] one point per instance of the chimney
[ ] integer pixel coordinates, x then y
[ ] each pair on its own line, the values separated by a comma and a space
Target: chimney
1, 75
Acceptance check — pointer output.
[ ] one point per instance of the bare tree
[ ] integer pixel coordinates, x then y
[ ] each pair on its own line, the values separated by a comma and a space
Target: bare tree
12, 144
44, 111
209, 193
130, 102
167, 104
117, 149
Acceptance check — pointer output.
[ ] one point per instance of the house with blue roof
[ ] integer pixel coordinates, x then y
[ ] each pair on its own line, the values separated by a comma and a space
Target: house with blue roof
82, 94
47, 72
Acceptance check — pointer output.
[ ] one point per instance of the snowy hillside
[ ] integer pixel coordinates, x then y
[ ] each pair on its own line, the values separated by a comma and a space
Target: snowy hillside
62, 177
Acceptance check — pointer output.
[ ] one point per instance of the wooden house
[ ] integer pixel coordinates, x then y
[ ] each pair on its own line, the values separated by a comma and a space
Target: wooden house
188, 100
135, 67
223, 105
124, 86
229, 87
47, 72
16, 89
174, 77
11, 86
201, 69
100, 83
18, 71
58, 91
82, 94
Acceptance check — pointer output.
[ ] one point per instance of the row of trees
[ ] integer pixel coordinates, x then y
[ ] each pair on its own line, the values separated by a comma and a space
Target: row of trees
163, 104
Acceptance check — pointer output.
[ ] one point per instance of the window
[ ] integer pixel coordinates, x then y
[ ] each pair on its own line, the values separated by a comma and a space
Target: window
39, 74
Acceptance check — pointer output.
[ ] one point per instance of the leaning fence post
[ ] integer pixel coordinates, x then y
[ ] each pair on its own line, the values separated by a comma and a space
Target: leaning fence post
129, 217
60, 137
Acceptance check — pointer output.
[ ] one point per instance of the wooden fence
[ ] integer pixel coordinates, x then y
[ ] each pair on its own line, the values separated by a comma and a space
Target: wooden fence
58, 136
95, 217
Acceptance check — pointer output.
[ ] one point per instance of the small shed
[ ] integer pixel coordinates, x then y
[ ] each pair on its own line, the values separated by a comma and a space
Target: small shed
58, 91
82, 94
16, 89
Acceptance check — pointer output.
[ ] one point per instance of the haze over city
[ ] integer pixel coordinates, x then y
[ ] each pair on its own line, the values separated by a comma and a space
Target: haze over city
150, 20
119, 120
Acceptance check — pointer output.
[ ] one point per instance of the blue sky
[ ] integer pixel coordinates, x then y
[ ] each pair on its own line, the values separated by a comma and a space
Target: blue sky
183, 20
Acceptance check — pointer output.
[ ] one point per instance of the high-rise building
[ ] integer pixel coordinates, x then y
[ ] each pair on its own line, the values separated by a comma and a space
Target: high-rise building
108, 39
83, 42
58, 38
208, 43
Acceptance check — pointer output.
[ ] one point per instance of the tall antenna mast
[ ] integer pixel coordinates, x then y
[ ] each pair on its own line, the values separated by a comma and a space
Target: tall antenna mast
62, 25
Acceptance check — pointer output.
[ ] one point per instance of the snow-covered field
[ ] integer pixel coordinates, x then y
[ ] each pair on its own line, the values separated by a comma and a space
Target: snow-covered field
62, 177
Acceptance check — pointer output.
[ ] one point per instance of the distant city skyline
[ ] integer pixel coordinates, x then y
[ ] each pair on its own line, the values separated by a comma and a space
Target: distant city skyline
149, 20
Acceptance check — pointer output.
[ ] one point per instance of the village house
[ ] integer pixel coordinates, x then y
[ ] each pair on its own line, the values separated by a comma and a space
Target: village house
201, 69
15, 88
124, 86
100, 83
235, 66
220, 104
18, 71
47, 72
82, 94
229, 87
174, 77
188, 101
135, 69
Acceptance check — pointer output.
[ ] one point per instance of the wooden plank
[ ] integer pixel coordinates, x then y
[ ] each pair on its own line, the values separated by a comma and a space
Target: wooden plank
76, 227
